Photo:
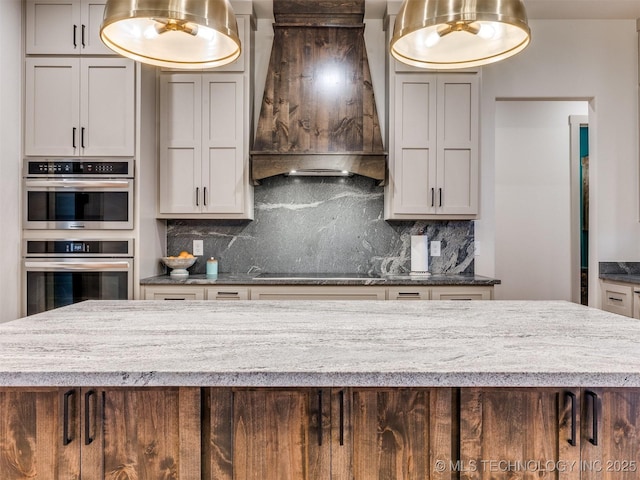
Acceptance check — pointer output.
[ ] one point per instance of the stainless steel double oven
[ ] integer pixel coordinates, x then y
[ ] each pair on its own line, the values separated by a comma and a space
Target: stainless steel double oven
74, 211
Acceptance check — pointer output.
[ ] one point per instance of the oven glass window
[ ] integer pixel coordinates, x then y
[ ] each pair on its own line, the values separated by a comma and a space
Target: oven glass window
49, 290
78, 206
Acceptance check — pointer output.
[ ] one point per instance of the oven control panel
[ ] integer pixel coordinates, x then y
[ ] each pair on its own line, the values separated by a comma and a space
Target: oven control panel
78, 168
69, 248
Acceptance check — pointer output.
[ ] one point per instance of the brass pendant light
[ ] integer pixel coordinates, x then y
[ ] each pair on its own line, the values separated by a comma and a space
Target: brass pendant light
447, 34
189, 34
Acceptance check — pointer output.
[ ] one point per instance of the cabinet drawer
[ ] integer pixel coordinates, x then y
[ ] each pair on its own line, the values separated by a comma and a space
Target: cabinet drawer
228, 293
408, 293
318, 293
173, 293
462, 293
617, 298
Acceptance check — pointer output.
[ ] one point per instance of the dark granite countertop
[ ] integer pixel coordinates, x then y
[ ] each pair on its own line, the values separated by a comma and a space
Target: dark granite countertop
323, 279
626, 272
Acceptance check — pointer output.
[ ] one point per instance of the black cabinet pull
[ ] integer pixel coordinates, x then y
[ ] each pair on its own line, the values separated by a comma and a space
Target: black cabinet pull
197, 196
341, 417
440, 196
73, 137
83, 29
320, 417
204, 196
88, 439
572, 438
75, 34
66, 438
594, 410
82, 137
433, 197
615, 299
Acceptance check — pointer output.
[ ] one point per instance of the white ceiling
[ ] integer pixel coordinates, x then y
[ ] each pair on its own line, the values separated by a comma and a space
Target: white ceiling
542, 9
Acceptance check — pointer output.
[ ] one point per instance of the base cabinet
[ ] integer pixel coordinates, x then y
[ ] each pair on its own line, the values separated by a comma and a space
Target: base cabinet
134, 433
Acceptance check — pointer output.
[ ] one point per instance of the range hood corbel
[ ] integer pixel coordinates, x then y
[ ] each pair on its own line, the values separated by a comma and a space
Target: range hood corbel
318, 111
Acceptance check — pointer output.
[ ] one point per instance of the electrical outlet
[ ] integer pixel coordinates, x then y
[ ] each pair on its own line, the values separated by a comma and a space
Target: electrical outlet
198, 248
435, 248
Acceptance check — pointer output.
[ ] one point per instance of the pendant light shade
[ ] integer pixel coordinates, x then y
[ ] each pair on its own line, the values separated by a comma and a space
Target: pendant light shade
446, 34
190, 34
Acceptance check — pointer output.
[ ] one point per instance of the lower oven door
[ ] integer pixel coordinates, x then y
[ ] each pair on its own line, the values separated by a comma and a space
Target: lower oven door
50, 284
78, 204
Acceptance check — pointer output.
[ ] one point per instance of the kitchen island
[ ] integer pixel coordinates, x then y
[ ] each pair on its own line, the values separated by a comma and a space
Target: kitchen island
261, 390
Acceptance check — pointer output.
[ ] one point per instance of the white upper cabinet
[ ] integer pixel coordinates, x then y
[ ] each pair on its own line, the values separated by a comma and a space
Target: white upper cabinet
433, 146
65, 27
204, 133
79, 106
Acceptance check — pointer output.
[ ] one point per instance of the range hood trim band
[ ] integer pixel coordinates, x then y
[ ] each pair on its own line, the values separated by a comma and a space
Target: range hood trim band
367, 164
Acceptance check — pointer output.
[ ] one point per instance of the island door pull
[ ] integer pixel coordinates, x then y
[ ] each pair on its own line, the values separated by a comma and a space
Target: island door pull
66, 438
572, 438
320, 417
88, 439
341, 417
594, 410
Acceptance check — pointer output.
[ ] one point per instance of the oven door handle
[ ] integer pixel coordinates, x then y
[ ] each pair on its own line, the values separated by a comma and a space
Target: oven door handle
78, 266
78, 183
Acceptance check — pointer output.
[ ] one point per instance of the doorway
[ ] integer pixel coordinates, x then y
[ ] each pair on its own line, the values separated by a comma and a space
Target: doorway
535, 246
579, 125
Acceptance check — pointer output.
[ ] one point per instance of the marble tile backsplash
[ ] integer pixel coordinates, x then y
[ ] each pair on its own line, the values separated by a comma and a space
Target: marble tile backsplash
323, 225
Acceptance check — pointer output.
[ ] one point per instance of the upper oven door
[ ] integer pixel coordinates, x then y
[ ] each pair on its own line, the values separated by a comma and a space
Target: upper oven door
78, 204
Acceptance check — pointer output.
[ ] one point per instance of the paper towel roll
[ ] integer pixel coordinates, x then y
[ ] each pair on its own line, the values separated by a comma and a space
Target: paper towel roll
419, 255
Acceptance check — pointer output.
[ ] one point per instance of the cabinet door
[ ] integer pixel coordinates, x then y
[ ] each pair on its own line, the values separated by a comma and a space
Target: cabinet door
399, 433
39, 434
457, 164
266, 434
107, 107
414, 162
52, 106
141, 433
92, 13
611, 442
180, 143
519, 433
53, 27
617, 298
223, 140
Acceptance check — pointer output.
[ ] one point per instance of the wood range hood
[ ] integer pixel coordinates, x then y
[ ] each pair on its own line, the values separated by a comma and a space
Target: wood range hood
318, 114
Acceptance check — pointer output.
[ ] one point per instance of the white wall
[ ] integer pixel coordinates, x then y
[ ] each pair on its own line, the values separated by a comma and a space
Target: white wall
533, 199
579, 59
10, 154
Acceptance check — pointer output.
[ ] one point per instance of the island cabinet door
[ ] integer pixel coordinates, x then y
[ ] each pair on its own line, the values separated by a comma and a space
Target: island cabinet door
392, 434
610, 436
141, 434
266, 434
523, 434
39, 434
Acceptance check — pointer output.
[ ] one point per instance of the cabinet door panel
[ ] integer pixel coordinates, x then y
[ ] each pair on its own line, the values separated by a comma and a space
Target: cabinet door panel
223, 165
145, 433
92, 15
108, 107
517, 433
457, 187
31, 434
50, 27
616, 453
400, 434
275, 436
52, 106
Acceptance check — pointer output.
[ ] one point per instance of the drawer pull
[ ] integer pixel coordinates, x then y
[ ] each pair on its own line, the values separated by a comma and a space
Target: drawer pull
408, 294
614, 299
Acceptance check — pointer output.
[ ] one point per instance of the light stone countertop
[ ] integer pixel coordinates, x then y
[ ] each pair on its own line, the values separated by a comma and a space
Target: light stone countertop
321, 343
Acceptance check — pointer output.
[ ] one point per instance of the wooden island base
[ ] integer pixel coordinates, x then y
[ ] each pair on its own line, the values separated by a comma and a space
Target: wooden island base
221, 433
